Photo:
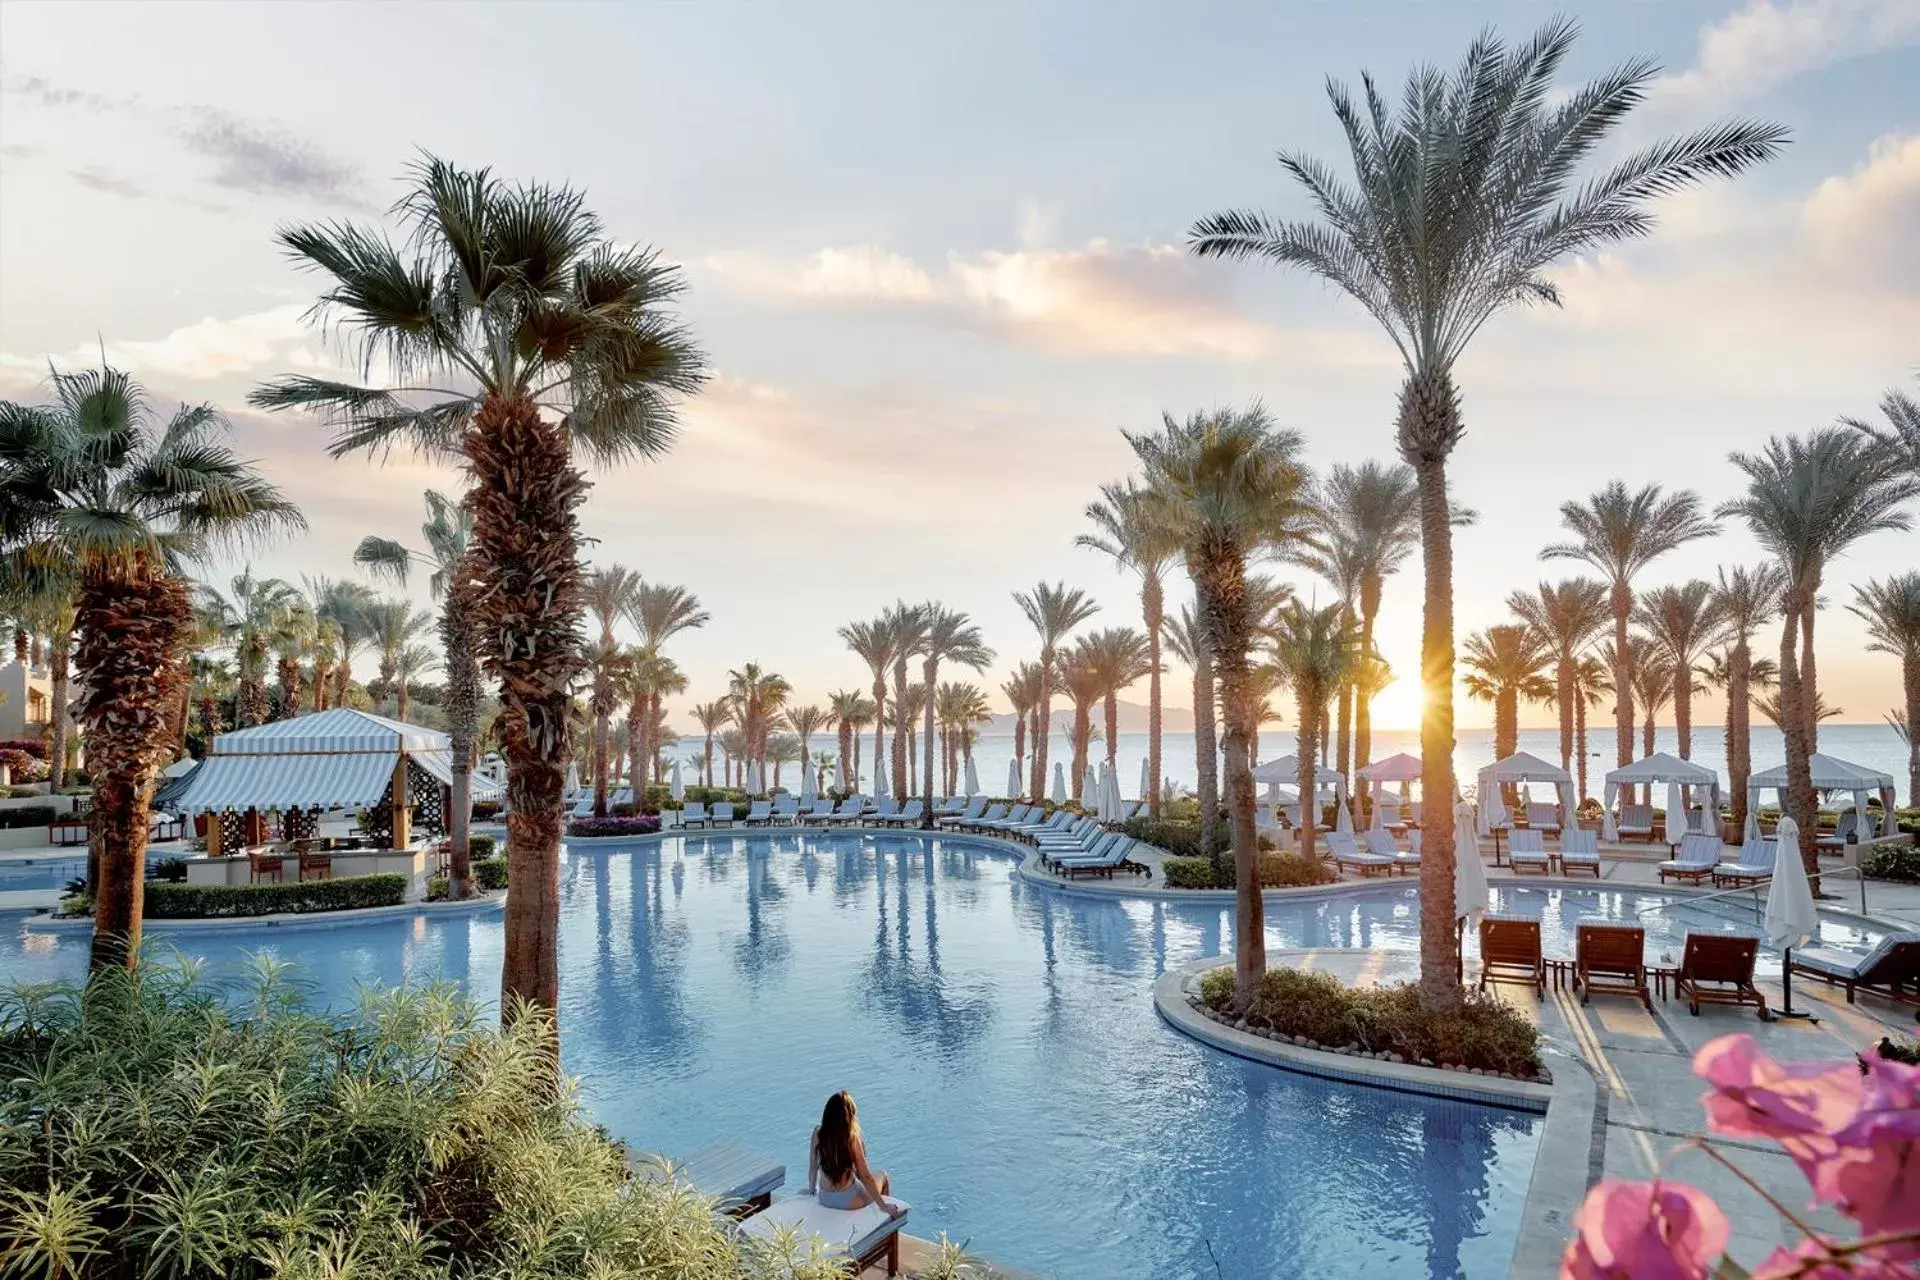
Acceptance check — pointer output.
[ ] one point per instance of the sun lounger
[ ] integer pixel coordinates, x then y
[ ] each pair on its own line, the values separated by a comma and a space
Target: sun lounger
1292, 814
992, 813
1698, 856
741, 1181
949, 806
1636, 822
1580, 851
849, 812
975, 807
1611, 959
1081, 831
1020, 816
820, 811
1408, 859
1544, 818
695, 814
1346, 853
1527, 851
1382, 845
1704, 821
883, 808
1891, 969
723, 812
1117, 856
1717, 968
1754, 865
909, 815
1128, 812
785, 810
1510, 952
864, 1236
1079, 851
1062, 820
759, 813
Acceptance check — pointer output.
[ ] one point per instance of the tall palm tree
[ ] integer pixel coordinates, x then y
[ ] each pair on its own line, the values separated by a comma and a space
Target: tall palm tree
1682, 622
959, 706
803, 723
651, 676
851, 709
394, 625
733, 746
876, 643
248, 615
1748, 599
1052, 610
559, 341
909, 627
757, 695
712, 717
1620, 533
446, 536
1891, 609
1128, 532
295, 632
45, 603
1507, 664
209, 681
413, 662
1901, 436
1653, 685
1460, 201
1121, 656
1022, 690
660, 612
1187, 637
948, 636
1592, 681
1808, 499
609, 593
343, 605
1317, 649
1340, 560
1230, 486
1770, 707
1080, 678
93, 486
1569, 615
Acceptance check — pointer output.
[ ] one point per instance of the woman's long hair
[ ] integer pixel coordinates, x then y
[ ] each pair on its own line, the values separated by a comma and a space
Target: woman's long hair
839, 1129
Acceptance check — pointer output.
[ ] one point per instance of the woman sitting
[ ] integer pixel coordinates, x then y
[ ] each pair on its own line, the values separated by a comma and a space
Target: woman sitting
837, 1162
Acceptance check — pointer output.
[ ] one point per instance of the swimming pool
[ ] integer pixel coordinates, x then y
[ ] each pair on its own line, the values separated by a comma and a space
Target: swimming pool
50, 872
999, 1037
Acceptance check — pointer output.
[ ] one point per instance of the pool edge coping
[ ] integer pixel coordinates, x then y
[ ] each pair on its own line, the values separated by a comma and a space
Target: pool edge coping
283, 919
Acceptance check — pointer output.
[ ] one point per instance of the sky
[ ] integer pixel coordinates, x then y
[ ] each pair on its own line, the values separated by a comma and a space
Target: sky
936, 258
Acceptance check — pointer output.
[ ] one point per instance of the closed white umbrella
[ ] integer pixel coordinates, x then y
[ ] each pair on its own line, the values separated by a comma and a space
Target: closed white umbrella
676, 788
809, 789
1110, 794
573, 777
1146, 781
1089, 789
1014, 788
1791, 916
839, 782
879, 779
1470, 896
973, 778
1343, 819
1676, 814
1059, 783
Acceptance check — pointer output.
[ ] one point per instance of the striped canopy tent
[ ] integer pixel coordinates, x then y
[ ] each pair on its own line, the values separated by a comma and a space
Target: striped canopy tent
1830, 773
1672, 770
328, 760
1519, 769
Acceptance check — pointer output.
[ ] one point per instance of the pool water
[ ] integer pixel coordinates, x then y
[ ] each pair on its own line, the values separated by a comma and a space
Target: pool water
51, 872
999, 1038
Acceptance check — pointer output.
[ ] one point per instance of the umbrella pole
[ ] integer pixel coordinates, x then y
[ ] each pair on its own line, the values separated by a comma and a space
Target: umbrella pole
1786, 1009
1460, 950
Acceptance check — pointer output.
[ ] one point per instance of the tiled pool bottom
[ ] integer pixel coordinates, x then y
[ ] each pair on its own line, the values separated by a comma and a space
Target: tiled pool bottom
1000, 1039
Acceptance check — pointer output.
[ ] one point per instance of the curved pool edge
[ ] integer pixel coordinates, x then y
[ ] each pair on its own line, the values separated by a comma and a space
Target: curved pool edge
282, 920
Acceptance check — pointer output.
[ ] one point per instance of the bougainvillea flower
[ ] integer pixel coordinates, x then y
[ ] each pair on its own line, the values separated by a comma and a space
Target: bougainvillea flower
1645, 1231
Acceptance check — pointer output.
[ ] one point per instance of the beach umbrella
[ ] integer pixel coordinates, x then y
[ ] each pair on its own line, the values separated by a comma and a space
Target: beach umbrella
879, 779
1470, 897
573, 776
809, 788
1676, 813
1110, 794
677, 788
1146, 780
1791, 916
1089, 789
973, 778
1343, 817
1059, 783
839, 782
1014, 789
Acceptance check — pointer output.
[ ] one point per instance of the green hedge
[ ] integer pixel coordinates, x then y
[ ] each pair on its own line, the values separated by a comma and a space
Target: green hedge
1899, 862
480, 848
490, 873
1277, 871
29, 815
220, 901
1181, 838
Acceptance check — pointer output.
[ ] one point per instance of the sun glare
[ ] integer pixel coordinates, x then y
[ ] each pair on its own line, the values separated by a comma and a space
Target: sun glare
1398, 706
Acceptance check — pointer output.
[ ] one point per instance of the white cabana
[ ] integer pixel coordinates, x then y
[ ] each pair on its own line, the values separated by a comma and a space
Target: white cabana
1287, 770
1014, 788
1676, 773
1829, 774
1519, 769
1059, 783
1399, 767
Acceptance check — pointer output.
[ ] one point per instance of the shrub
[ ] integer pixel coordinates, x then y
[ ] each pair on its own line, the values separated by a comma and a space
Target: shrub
1178, 836
437, 888
1891, 862
171, 870
29, 815
1277, 871
219, 901
35, 747
1486, 1032
614, 826
151, 1114
25, 767
490, 873
480, 848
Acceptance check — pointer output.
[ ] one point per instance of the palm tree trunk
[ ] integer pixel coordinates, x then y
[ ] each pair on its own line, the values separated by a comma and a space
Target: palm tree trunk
1647, 730
59, 712
1622, 601
1565, 696
1343, 742
130, 622
1809, 685
1042, 724
929, 672
879, 722
403, 699
1154, 607
1019, 737
1206, 751
1683, 708
902, 730
1305, 779
463, 725
636, 741
1223, 606
1910, 679
1110, 705
1800, 803
1739, 734
1362, 703
526, 548
657, 740
1580, 737
342, 681
1082, 739
319, 681
602, 704
1428, 413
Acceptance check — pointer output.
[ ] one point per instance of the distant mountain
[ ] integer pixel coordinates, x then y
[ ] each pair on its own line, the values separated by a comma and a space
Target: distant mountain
1132, 717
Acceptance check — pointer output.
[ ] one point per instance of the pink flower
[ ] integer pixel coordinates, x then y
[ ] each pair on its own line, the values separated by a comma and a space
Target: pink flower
1645, 1231
1875, 1177
1800, 1105
1813, 1261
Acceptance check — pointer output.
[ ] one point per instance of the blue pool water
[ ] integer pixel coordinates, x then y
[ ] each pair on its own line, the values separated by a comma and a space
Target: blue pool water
999, 1038
51, 872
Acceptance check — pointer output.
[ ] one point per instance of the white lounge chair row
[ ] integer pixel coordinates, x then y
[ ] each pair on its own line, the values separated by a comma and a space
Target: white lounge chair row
1579, 851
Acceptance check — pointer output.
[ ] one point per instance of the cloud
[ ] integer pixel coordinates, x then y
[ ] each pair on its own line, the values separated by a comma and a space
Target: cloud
1766, 45
98, 179
860, 273
270, 162
48, 94
1867, 223
204, 350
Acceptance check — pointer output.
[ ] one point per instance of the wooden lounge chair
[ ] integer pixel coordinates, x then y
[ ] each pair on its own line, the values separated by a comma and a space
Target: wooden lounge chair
863, 1236
1717, 968
1636, 822
1510, 952
1580, 851
1409, 860
1891, 969
1754, 865
1699, 855
1527, 851
1346, 853
1611, 958
1544, 818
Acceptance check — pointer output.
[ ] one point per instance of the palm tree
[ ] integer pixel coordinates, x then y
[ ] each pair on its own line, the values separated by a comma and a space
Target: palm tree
757, 695
1569, 615
610, 593
1052, 610
948, 636
209, 680
1748, 600
1770, 707
1620, 533
1808, 499
93, 488
446, 535
1891, 609
344, 606
413, 661
1901, 436
651, 676
1128, 533
1461, 200
1317, 649
1507, 664
1592, 681
1229, 486
1121, 656
45, 604
959, 707
851, 709
908, 624
803, 723
1081, 679
1339, 560
1187, 637
248, 616
659, 613
733, 746
393, 626
876, 643
1682, 622
292, 639
712, 717
1653, 685
558, 340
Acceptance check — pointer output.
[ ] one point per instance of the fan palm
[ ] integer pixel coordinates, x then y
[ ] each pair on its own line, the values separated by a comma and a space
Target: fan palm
446, 535
660, 612
1317, 649
1022, 690
876, 643
1122, 656
610, 592
1507, 664
1229, 486
1569, 615
248, 614
803, 723
1620, 533
92, 487
712, 717
1187, 637
1748, 600
948, 636
959, 706
1052, 610
1808, 499
295, 632
1682, 622
1901, 436
1460, 201
1891, 610
519, 333
1128, 533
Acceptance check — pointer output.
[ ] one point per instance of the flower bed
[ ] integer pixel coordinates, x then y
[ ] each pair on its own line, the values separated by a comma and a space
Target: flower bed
1277, 871
1318, 1011
222, 901
642, 825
